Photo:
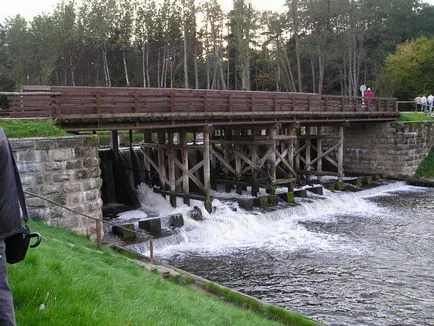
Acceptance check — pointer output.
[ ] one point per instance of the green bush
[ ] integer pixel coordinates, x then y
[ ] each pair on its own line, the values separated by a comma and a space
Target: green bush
30, 128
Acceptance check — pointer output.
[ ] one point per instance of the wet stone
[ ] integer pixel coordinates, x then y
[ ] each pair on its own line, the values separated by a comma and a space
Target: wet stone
246, 203
261, 202
196, 214
176, 221
152, 225
300, 193
125, 231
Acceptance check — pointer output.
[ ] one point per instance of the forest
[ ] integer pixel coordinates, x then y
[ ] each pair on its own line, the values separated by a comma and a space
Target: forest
319, 46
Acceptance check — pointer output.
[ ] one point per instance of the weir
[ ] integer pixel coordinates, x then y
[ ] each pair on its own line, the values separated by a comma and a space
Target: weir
190, 163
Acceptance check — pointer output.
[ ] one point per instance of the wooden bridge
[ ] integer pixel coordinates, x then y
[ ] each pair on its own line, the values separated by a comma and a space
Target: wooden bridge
97, 108
256, 139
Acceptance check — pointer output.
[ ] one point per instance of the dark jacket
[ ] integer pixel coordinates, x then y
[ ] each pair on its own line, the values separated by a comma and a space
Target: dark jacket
12, 211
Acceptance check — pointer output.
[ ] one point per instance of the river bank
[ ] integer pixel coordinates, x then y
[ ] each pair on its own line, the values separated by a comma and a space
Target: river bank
67, 279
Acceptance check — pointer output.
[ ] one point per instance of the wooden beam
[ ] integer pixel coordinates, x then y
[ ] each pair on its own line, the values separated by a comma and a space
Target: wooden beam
207, 169
341, 154
171, 164
162, 160
185, 178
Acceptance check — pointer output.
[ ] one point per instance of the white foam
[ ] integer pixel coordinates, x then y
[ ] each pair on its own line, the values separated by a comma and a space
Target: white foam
231, 228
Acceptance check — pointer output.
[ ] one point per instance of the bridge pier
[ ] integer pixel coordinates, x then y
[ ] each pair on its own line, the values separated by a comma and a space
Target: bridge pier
255, 158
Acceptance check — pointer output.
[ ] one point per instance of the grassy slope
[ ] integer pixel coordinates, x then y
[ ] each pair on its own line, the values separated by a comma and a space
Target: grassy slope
414, 116
66, 281
30, 128
426, 169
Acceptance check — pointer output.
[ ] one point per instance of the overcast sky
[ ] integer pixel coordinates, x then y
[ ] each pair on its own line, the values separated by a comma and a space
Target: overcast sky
31, 8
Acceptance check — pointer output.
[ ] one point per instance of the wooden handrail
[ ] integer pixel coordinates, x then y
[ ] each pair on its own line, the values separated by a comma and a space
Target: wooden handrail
64, 101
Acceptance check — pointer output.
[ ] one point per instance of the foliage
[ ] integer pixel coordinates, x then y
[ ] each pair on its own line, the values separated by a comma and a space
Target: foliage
408, 72
324, 46
414, 116
67, 279
426, 169
30, 128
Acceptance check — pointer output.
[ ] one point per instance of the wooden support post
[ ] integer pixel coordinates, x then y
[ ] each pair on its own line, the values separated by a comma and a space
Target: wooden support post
255, 188
115, 142
207, 169
291, 149
147, 137
226, 154
99, 235
238, 163
272, 187
171, 164
134, 173
319, 153
297, 155
341, 155
185, 178
162, 160
308, 152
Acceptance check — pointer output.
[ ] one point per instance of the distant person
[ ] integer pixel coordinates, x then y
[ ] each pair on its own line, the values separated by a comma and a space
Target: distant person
369, 95
418, 102
12, 211
430, 100
424, 102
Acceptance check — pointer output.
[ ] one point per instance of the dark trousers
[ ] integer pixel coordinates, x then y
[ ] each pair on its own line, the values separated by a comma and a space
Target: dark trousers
7, 314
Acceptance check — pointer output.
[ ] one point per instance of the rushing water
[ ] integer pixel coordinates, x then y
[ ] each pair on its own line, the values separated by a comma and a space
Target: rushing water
363, 258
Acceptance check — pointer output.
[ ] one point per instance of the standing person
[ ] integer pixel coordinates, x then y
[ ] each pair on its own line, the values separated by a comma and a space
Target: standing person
12, 211
369, 94
430, 100
418, 102
423, 101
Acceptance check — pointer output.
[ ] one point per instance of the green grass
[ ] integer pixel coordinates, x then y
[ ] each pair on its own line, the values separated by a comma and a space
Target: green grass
67, 281
30, 128
414, 116
426, 169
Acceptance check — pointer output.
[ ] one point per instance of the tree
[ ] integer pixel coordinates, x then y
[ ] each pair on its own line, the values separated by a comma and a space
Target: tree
409, 71
17, 51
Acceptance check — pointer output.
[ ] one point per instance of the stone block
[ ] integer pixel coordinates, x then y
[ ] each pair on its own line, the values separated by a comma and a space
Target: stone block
62, 177
317, 189
26, 156
92, 195
51, 189
94, 206
125, 231
273, 200
22, 144
261, 202
176, 221
81, 174
71, 141
246, 203
62, 154
287, 197
46, 143
367, 180
29, 167
54, 166
196, 214
74, 164
152, 225
300, 193
91, 162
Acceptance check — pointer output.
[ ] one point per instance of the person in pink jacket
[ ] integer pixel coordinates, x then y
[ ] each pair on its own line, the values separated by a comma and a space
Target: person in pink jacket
369, 95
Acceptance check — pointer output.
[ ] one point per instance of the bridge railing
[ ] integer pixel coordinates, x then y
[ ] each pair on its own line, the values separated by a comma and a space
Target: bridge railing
86, 100
62, 102
28, 104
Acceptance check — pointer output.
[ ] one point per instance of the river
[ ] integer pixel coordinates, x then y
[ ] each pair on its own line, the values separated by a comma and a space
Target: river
359, 258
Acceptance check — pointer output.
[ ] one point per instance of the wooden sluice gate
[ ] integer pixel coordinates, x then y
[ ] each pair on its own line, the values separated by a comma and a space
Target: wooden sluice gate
243, 158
